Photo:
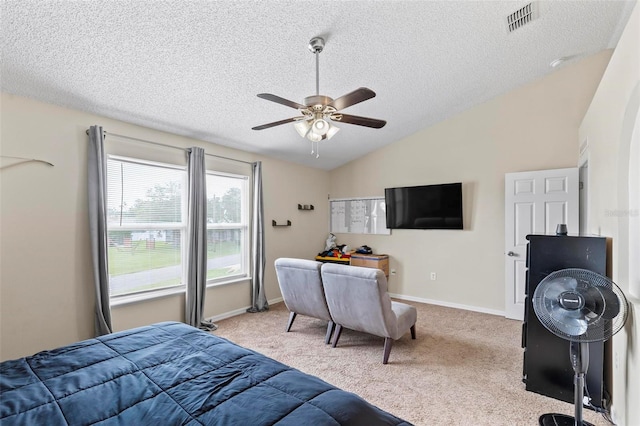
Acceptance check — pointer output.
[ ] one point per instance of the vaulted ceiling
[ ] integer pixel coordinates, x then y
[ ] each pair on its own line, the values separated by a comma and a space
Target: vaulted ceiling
194, 68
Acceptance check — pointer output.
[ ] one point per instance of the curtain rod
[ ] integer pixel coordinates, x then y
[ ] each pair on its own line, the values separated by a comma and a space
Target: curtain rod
169, 146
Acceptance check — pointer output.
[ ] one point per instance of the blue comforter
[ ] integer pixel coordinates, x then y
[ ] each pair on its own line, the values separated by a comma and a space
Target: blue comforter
170, 374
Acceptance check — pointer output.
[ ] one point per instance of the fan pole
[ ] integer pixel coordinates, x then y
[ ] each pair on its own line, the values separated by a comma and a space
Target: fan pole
316, 45
317, 73
579, 354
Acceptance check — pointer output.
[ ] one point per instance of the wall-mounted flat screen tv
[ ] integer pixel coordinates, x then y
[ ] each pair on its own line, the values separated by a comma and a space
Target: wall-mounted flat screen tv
424, 207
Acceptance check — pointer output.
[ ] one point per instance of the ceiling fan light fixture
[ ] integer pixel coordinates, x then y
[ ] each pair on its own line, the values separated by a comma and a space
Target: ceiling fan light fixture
314, 137
332, 131
303, 127
321, 126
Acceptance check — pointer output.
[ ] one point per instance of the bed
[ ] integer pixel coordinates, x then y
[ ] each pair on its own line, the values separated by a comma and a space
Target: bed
171, 374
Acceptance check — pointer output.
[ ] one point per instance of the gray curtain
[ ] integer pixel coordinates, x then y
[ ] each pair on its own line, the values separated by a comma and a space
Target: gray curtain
196, 241
97, 188
258, 298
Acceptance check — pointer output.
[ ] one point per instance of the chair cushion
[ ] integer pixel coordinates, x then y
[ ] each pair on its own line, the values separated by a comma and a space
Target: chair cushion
301, 287
406, 315
358, 300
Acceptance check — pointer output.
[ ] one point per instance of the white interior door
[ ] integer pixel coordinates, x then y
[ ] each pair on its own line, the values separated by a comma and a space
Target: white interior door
535, 203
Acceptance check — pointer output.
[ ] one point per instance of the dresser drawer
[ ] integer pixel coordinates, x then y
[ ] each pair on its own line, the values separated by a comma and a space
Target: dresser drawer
378, 261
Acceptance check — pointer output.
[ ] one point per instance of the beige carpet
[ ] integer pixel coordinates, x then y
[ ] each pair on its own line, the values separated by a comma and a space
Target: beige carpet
464, 368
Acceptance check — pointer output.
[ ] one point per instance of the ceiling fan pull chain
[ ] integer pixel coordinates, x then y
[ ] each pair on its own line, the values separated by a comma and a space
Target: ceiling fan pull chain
315, 149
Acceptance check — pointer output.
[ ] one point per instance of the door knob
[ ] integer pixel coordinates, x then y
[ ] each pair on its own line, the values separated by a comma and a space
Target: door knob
511, 254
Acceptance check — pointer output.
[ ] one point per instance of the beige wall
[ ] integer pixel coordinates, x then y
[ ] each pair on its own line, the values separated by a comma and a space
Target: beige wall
46, 293
531, 128
608, 129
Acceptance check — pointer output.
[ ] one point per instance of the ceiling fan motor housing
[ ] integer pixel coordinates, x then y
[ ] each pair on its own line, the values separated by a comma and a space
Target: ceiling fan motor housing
317, 101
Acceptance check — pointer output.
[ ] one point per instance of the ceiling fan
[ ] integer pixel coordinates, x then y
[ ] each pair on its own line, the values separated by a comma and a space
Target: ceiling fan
318, 111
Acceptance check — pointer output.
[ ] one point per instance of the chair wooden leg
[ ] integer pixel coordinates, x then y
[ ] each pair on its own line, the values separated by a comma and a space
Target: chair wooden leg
413, 332
336, 335
330, 327
388, 342
292, 316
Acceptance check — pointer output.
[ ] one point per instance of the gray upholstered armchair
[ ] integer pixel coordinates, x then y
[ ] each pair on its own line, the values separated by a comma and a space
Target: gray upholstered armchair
358, 300
302, 291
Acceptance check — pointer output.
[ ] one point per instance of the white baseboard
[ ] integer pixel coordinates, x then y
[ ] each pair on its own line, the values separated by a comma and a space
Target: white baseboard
394, 295
448, 304
239, 311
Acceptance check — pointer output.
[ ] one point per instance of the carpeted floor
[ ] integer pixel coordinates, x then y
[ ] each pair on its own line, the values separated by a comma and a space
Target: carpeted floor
464, 368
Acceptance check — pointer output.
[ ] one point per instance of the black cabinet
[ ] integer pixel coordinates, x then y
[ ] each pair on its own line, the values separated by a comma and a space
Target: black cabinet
547, 368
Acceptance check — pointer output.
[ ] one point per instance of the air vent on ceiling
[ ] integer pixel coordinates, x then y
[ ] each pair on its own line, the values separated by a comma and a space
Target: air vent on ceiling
522, 16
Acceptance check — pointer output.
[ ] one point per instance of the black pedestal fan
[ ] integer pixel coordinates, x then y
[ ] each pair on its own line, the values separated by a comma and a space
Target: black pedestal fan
580, 306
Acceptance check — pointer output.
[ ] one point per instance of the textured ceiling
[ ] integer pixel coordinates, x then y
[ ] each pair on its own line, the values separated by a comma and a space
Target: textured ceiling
194, 67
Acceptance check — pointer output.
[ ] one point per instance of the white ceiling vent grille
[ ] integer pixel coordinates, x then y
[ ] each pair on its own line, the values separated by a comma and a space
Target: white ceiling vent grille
522, 16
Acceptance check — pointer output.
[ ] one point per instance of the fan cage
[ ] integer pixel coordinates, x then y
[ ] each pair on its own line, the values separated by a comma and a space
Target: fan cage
598, 328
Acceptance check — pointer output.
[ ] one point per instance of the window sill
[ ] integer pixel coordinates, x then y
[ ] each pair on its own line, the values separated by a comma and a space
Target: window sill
232, 281
142, 297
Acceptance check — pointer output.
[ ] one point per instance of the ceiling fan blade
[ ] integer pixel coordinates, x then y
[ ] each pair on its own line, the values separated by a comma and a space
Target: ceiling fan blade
360, 121
277, 123
281, 101
355, 97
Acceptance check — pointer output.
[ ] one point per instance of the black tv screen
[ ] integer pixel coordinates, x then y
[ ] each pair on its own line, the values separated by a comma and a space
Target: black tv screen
424, 207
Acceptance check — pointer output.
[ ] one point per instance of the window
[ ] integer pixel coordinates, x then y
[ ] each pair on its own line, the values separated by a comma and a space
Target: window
227, 227
146, 225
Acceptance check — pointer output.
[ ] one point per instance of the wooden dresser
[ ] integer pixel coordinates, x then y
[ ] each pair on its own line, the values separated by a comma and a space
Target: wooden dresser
378, 261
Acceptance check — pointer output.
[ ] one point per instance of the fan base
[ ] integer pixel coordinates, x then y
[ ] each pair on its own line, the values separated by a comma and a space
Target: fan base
559, 420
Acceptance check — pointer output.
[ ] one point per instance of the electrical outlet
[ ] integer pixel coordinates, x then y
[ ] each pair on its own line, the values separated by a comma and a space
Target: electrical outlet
392, 272
433, 276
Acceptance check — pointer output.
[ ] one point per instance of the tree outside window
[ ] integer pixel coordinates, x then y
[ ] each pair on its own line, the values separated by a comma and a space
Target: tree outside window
146, 220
